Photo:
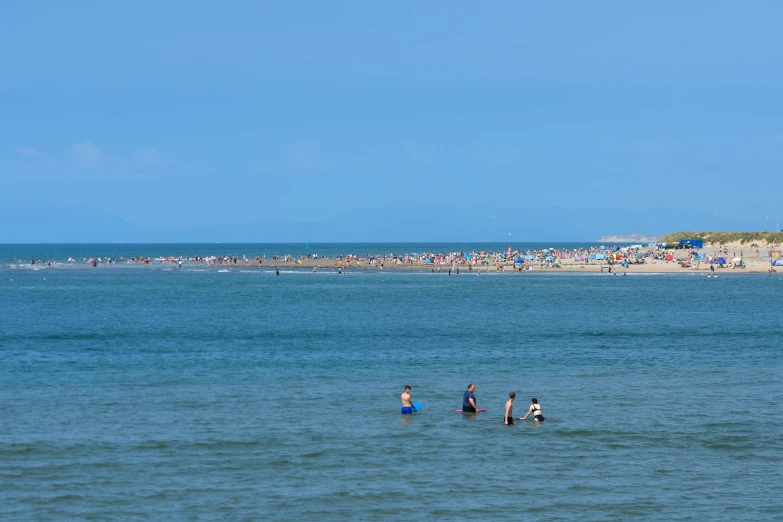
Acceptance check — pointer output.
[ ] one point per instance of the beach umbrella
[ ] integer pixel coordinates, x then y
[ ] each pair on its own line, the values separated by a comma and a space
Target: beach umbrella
519, 261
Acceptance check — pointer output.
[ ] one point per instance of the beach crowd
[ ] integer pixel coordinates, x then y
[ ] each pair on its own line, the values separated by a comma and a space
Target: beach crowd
499, 260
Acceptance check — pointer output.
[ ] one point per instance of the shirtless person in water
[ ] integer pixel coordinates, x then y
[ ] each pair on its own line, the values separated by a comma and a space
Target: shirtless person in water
509, 420
407, 404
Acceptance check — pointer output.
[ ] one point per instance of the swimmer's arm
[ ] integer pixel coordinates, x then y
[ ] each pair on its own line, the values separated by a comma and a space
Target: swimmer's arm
505, 417
473, 403
528, 413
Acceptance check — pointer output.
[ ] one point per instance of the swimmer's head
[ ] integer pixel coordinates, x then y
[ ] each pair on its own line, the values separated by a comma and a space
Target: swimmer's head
512, 395
534, 400
471, 387
407, 388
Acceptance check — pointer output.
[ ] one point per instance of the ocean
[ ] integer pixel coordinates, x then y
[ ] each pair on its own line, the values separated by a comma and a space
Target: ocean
201, 394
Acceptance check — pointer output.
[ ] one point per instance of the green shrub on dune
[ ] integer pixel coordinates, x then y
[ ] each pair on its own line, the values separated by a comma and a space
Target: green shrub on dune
725, 237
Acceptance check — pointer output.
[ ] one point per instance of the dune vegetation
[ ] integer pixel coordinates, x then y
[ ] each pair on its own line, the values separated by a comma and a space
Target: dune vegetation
726, 237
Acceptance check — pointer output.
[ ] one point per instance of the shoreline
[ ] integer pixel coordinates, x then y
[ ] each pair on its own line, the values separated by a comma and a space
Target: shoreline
320, 267
621, 260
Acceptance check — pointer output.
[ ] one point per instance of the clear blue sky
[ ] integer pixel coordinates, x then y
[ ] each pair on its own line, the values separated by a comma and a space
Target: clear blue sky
174, 115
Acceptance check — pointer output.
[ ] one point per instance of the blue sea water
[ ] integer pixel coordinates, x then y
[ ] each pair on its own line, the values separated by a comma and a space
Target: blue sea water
137, 394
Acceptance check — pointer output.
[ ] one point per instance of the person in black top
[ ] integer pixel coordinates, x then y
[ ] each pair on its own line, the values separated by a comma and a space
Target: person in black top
535, 409
469, 400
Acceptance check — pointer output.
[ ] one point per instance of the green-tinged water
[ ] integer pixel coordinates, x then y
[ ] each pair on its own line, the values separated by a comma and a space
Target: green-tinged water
202, 394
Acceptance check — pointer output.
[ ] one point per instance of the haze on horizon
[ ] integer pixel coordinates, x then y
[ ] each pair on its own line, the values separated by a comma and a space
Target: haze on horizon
361, 122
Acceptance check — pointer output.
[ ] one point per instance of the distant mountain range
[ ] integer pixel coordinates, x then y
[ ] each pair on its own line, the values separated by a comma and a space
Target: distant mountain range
46, 222
630, 238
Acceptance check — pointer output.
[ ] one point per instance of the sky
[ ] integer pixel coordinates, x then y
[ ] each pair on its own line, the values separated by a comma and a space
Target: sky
411, 121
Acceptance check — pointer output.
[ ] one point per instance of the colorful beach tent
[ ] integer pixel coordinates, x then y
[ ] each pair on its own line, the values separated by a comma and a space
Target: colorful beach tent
777, 262
721, 261
519, 261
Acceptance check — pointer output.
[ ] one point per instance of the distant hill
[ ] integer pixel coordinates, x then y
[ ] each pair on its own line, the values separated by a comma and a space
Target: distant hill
726, 237
630, 238
32, 221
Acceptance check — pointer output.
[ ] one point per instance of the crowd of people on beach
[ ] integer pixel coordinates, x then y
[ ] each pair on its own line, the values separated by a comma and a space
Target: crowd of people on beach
549, 257
500, 260
470, 406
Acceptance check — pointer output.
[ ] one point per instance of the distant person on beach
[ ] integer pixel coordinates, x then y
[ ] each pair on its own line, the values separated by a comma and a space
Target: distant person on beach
407, 404
535, 409
509, 416
469, 400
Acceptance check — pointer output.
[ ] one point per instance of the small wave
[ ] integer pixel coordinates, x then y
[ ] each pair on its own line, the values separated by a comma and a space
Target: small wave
303, 271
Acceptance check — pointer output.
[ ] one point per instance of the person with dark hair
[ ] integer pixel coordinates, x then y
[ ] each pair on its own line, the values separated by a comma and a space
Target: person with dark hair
407, 404
535, 409
469, 400
509, 416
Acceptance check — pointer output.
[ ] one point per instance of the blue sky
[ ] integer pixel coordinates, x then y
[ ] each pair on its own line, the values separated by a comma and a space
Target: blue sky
185, 115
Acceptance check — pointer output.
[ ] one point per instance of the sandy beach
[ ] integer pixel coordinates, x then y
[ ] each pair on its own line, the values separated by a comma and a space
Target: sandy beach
731, 258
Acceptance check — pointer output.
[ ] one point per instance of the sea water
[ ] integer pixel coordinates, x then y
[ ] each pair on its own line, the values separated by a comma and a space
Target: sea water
197, 394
